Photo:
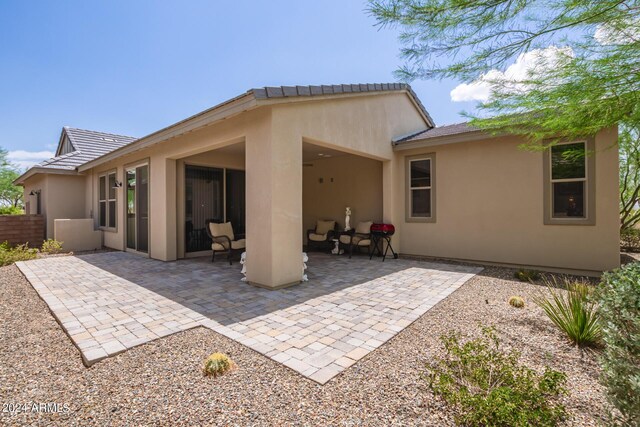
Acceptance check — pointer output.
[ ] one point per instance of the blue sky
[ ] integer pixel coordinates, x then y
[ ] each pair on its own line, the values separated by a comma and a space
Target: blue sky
132, 67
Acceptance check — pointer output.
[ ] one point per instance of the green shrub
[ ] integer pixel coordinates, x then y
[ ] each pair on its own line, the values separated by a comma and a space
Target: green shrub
11, 210
527, 275
9, 255
619, 299
217, 364
630, 239
51, 246
575, 312
516, 301
488, 387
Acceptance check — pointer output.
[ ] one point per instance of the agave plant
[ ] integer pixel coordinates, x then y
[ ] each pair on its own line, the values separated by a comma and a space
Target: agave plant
574, 312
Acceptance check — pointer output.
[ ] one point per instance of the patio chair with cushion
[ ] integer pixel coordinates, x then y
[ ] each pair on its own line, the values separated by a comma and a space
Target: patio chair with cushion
320, 237
223, 240
359, 238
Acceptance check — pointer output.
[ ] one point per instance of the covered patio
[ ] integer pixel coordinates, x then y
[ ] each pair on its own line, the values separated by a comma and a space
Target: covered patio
111, 301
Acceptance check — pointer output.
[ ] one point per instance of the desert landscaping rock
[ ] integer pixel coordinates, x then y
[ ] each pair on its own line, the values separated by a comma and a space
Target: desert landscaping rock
161, 382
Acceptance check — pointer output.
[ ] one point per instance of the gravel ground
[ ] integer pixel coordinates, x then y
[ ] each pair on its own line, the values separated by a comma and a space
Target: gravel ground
160, 383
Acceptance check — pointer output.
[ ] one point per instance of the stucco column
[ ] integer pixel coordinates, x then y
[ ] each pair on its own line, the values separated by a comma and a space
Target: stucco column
274, 208
162, 209
392, 199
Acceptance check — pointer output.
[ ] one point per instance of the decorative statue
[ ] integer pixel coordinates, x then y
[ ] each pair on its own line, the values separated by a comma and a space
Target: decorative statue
243, 261
305, 258
347, 219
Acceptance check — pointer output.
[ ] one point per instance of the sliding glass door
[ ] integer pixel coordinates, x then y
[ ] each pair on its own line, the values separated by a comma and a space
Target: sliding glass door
213, 194
137, 228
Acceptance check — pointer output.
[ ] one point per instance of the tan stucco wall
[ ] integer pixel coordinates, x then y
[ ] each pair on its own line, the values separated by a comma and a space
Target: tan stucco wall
62, 197
77, 234
357, 183
489, 202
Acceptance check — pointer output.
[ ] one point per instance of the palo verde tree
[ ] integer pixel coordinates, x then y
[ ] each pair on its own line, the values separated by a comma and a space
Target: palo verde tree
583, 73
10, 195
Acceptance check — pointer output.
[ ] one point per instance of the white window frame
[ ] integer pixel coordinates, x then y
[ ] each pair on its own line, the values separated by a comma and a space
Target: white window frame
409, 217
585, 190
589, 217
107, 200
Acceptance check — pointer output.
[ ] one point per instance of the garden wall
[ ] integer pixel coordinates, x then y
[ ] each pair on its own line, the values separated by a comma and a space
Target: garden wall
19, 229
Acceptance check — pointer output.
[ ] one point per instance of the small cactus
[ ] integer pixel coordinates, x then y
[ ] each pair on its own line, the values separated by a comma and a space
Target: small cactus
217, 364
527, 275
517, 302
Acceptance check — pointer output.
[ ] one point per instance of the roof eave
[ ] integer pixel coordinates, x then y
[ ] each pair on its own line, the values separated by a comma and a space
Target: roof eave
40, 170
207, 117
475, 135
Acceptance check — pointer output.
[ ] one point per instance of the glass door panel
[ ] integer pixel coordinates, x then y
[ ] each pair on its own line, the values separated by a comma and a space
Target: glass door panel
142, 208
131, 209
137, 229
235, 200
204, 198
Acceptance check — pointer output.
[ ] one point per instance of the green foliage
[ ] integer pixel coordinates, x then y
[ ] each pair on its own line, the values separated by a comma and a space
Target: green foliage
574, 312
487, 386
217, 364
11, 210
591, 82
629, 148
10, 195
51, 246
619, 299
9, 255
516, 301
527, 275
630, 239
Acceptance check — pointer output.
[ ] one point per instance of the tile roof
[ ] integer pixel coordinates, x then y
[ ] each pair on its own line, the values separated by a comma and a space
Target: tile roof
299, 91
447, 130
88, 145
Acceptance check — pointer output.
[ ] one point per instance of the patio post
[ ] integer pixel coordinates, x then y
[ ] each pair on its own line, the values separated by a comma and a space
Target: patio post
274, 207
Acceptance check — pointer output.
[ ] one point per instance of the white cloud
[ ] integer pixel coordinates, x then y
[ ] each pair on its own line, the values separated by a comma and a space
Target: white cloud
25, 159
527, 64
608, 35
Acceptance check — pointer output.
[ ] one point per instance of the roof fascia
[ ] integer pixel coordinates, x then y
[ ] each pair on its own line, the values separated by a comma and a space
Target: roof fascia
442, 140
39, 170
222, 111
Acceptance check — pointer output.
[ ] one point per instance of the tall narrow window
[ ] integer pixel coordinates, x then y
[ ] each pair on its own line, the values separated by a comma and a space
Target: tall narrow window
111, 182
569, 183
102, 201
107, 200
568, 179
420, 188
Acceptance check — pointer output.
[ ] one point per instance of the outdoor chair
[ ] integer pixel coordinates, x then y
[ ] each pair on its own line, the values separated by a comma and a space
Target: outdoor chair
223, 240
320, 237
358, 238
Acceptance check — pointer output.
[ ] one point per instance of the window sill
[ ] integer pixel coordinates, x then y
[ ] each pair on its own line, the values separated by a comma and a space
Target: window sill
108, 229
420, 219
567, 221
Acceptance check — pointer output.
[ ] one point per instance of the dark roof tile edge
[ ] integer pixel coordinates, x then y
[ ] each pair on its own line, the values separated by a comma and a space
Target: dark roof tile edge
319, 90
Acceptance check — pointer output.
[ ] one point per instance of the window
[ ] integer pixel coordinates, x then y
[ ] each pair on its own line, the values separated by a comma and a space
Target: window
569, 172
420, 188
107, 200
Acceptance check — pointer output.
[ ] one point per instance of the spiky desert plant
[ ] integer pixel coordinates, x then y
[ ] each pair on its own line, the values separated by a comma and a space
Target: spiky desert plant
574, 312
218, 364
527, 275
516, 301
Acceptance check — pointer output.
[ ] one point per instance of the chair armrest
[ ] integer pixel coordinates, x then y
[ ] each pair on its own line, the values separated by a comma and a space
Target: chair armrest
222, 240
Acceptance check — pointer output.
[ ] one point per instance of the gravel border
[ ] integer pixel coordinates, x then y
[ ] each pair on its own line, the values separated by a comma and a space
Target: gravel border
161, 383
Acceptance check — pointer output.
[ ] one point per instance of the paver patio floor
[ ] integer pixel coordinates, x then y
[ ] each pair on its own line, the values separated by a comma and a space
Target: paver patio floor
111, 301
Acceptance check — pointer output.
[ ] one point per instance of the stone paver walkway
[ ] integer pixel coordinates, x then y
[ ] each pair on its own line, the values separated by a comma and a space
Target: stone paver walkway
111, 301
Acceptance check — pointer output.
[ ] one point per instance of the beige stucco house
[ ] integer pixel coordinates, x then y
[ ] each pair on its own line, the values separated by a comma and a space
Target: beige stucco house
275, 160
